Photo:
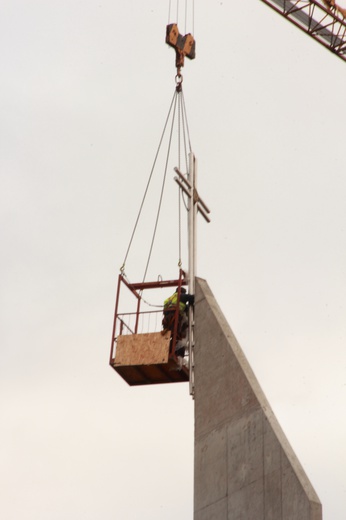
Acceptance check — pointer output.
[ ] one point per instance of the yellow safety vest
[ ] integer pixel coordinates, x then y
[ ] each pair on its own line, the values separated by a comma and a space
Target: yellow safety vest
172, 302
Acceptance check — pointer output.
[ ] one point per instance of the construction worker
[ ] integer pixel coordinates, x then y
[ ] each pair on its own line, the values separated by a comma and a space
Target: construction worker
169, 310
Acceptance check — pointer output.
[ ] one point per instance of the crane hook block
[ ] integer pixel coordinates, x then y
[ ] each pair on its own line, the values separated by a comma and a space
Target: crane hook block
183, 45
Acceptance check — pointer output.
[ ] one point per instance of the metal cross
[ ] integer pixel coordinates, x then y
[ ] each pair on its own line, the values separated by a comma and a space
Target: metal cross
188, 185
195, 204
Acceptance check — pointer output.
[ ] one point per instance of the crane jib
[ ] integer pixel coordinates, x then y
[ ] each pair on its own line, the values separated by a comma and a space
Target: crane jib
326, 24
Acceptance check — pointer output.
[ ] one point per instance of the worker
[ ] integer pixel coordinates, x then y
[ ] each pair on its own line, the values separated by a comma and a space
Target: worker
169, 310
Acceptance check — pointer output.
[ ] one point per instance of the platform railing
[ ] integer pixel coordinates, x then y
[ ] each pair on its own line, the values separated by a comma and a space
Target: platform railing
147, 321
139, 321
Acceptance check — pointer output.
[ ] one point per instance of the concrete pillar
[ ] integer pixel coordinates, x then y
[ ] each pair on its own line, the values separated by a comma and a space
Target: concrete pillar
245, 469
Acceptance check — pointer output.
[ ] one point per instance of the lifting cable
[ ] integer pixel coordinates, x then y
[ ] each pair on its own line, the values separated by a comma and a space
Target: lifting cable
162, 188
187, 146
186, 13
179, 190
148, 184
182, 117
169, 12
182, 122
177, 101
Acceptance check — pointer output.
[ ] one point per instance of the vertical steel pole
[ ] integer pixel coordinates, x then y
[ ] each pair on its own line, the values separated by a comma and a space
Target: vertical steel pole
192, 207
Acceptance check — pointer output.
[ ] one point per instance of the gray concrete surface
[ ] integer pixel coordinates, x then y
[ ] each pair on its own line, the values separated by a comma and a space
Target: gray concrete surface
245, 469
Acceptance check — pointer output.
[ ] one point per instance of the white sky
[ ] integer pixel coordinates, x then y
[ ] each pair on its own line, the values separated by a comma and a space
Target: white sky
84, 92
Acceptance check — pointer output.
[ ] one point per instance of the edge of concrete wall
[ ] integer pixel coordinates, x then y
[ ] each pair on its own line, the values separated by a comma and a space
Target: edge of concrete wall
206, 308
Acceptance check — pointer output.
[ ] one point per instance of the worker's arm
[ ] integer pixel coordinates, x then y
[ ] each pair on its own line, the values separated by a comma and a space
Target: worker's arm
187, 298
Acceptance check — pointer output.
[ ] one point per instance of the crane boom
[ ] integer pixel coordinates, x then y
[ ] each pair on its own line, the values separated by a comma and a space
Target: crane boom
324, 23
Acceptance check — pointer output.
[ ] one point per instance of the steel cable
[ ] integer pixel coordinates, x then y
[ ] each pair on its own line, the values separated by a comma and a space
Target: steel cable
162, 190
149, 180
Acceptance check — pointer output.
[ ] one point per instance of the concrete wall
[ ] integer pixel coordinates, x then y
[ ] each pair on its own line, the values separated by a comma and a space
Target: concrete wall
245, 468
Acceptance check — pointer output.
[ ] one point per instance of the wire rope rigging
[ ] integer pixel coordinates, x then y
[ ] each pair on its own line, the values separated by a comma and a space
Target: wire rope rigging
188, 10
176, 122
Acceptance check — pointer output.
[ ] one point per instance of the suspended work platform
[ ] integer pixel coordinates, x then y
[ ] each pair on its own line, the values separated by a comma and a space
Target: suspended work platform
146, 358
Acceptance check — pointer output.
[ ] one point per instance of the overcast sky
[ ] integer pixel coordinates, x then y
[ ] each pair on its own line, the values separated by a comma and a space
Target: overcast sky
85, 89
